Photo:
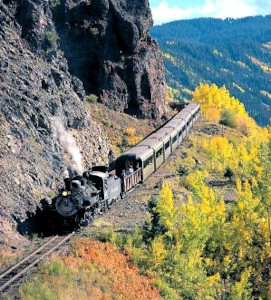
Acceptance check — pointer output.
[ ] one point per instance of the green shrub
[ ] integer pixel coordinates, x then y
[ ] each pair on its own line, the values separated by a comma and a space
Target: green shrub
51, 38
183, 171
165, 290
56, 268
54, 3
228, 118
124, 144
229, 173
92, 98
36, 290
94, 30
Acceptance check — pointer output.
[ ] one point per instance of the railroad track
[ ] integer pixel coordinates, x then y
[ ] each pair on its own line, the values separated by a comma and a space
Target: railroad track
12, 277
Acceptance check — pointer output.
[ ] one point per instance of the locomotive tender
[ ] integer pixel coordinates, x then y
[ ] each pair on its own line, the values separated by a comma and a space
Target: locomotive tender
94, 191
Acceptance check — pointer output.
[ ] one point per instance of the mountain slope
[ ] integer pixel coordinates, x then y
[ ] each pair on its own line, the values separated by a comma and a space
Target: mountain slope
234, 53
46, 49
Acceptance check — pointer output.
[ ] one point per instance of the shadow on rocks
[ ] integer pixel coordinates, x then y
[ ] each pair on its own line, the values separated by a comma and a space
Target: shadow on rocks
39, 223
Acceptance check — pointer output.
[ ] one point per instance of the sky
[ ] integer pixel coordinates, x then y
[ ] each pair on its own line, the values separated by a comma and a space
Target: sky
164, 11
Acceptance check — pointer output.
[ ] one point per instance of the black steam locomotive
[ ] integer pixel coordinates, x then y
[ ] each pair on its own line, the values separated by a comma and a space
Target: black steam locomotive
93, 192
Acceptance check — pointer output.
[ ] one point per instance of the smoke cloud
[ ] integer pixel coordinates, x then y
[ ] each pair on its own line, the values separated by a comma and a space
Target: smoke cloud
69, 145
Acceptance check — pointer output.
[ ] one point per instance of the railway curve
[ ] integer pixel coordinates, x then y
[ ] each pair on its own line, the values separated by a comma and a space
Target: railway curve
12, 277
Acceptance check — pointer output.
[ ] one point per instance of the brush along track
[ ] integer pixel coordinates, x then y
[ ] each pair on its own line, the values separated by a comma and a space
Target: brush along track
12, 277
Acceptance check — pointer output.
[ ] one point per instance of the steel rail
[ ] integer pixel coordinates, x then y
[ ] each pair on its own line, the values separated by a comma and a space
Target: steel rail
26, 258
18, 275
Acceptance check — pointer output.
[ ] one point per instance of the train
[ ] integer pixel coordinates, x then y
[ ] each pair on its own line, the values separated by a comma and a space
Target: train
92, 193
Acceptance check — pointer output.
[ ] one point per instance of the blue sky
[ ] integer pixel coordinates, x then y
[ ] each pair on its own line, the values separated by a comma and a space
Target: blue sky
164, 11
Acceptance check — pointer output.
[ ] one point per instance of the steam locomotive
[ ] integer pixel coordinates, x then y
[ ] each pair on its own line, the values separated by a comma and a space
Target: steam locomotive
92, 193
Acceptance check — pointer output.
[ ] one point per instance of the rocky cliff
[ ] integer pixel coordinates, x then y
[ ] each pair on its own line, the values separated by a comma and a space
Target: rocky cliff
54, 53
34, 94
108, 46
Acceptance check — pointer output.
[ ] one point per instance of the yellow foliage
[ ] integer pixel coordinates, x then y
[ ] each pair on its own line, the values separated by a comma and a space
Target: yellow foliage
169, 57
131, 137
213, 279
133, 140
238, 87
130, 131
215, 100
171, 94
165, 207
159, 252
240, 289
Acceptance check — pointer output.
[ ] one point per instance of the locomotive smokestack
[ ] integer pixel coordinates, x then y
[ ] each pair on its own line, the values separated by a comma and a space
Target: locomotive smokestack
69, 146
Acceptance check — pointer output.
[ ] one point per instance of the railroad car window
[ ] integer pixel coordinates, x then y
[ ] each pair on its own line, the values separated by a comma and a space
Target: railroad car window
148, 162
167, 145
174, 139
159, 152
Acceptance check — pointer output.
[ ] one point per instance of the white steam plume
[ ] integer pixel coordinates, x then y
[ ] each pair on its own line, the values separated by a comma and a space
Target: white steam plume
68, 144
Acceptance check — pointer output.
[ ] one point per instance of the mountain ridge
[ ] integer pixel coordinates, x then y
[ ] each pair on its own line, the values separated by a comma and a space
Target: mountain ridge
232, 52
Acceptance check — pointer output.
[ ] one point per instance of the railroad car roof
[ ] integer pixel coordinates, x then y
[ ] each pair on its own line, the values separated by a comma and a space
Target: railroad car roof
188, 108
192, 107
156, 144
182, 115
162, 136
168, 130
177, 124
192, 104
185, 111
138, 152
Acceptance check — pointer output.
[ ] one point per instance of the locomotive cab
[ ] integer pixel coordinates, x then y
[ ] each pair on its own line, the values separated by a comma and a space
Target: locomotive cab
108, 184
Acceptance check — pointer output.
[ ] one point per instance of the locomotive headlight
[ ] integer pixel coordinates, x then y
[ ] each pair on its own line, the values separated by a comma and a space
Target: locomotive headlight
64, 193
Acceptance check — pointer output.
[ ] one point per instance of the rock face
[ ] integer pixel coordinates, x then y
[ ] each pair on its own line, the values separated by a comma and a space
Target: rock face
52, 54
34, 92
108, 46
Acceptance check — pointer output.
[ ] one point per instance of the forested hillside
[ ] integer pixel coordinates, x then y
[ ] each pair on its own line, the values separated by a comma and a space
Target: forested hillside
234, 53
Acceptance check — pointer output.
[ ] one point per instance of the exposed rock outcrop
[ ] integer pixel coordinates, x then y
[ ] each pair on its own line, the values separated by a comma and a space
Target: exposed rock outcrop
108, 46
108, 52
33, 91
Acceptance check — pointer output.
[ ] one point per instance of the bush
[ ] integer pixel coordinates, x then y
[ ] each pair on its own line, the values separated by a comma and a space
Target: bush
124, 143
130, 131
92, 98
51, 38
54, 3
94, 30
228, 118
229, 173
183, 171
